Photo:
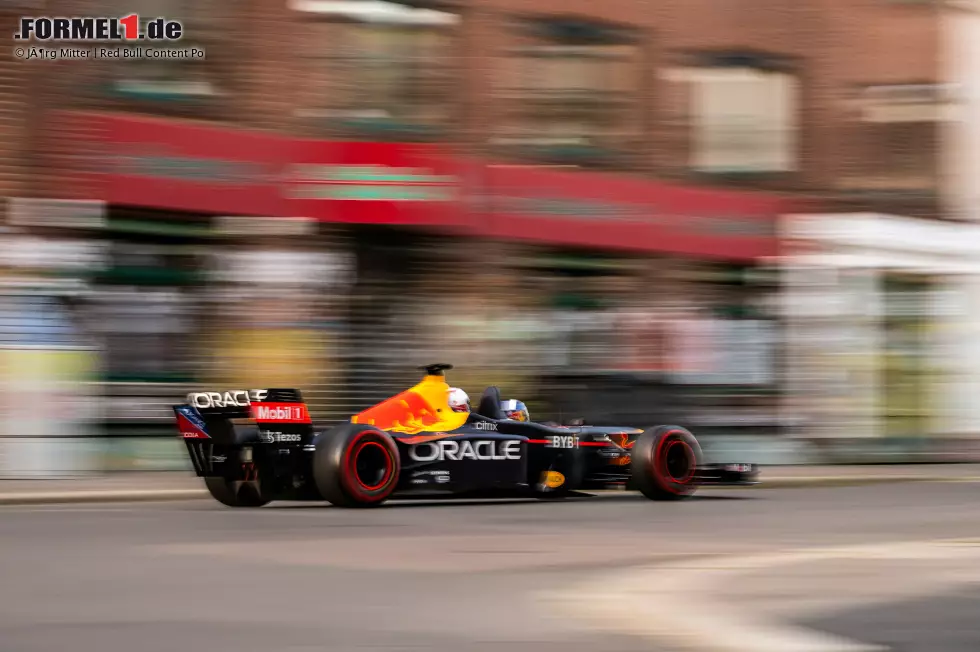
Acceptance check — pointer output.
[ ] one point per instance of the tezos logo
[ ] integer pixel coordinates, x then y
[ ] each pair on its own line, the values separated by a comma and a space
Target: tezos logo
273, 437
127, 28
438, 451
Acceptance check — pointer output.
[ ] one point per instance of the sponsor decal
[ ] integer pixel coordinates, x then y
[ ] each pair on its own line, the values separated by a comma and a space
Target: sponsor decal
190, 425
192, 417
423, 477
552, 479
219, 458
407, 412
564, 441
234, 398
273, 437
209, 400
485, 425
738, 468
280, 412
438, 451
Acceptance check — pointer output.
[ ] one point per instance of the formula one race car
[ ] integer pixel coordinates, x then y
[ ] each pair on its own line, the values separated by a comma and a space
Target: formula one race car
252, 447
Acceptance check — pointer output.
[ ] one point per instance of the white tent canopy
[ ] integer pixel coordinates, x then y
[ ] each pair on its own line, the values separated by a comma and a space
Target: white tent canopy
375, 11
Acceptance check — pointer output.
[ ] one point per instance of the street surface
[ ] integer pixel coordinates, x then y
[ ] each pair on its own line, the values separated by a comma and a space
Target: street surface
897, 565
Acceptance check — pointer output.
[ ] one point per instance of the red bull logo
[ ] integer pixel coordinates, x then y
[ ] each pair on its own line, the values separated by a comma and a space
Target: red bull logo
407, 412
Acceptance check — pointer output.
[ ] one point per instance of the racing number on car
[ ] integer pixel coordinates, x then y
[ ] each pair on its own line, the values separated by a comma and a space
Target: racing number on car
564, 441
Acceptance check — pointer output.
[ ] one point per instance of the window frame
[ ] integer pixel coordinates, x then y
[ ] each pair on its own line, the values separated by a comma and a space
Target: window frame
526, 110
337, 72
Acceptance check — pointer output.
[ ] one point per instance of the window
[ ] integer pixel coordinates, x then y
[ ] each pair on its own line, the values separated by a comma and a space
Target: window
568, 93
165, 84
390, 72
893, 138
741, 115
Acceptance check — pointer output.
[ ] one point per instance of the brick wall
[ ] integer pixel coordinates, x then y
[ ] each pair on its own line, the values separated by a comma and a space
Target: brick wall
273, 73
15, 118
833, 44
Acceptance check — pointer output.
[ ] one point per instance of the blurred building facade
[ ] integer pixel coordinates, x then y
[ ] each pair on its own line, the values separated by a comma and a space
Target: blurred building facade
552, 195
843, 102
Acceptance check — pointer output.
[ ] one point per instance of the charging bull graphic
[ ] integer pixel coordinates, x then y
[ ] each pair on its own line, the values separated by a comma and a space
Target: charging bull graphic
422, 408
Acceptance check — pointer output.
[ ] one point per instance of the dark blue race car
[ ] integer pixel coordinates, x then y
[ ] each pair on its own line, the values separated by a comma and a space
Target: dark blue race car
256, 446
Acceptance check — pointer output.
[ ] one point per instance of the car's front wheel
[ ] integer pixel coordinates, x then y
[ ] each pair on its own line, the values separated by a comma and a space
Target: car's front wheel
665, 463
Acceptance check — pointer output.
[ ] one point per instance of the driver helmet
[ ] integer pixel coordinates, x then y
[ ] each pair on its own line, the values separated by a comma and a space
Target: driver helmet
515, 410
459, 401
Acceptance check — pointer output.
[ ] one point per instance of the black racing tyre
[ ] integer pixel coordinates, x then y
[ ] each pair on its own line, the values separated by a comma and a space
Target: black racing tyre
665, 462
355, 465
235, 493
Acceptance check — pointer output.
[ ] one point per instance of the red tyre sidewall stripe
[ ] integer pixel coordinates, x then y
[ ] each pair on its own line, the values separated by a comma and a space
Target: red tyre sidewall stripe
349, 477
692, 463
388, 464
662, 477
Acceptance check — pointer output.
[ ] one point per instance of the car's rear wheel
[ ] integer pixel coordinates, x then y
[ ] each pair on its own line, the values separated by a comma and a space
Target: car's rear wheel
234, 493
665, 462
356, 465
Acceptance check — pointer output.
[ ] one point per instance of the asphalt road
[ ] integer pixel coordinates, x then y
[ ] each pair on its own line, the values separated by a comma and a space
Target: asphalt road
471, 577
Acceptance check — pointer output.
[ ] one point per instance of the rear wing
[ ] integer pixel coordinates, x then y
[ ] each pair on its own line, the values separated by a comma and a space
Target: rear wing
263, 406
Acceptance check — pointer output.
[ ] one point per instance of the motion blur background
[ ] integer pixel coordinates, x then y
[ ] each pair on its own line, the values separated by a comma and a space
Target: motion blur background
757, 218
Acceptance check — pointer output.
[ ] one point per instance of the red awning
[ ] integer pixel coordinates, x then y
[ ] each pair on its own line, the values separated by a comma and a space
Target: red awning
609, 211
206, 168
